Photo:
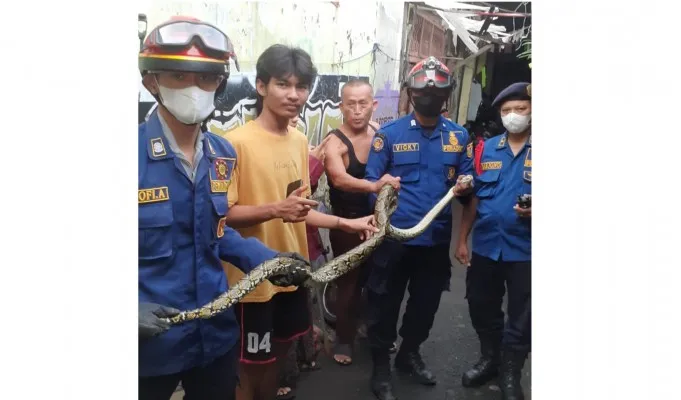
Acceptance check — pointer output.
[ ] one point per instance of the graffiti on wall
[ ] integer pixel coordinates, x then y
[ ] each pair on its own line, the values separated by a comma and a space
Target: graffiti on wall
320, 114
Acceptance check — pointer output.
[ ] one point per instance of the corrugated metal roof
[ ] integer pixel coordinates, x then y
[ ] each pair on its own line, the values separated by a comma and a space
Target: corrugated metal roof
463, 20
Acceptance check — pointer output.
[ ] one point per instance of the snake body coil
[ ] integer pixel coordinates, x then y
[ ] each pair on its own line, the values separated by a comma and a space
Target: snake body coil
386, 204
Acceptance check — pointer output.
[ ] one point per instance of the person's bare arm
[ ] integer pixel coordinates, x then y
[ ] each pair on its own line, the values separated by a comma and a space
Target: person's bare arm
468, 212
326, 221
364, 226
335, 169
467, 218
244, 216
294, 209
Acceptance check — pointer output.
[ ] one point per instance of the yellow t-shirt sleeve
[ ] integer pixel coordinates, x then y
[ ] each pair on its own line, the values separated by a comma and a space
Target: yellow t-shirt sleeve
306, 170
233, 190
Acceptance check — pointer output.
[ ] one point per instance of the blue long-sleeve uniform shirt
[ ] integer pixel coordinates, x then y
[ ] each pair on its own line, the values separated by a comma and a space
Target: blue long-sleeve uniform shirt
428, 163
182, 238
498, 232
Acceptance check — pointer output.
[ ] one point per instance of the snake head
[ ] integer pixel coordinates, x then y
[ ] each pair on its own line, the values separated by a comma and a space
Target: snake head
295, 275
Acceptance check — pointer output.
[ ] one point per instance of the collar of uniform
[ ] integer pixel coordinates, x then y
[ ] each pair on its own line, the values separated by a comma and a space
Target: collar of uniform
208, 148
441, 124
158, 147
503, 142
171, 139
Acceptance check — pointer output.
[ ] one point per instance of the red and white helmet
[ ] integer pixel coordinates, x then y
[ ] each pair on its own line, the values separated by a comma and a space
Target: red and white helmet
186, 44
429, 73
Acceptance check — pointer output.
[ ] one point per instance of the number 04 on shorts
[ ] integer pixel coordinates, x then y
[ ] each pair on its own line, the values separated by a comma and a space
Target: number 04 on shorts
254, 344
283, 318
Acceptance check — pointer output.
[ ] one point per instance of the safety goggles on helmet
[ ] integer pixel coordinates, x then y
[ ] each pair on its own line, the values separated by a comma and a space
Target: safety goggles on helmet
182, 34
186, 45
429, 73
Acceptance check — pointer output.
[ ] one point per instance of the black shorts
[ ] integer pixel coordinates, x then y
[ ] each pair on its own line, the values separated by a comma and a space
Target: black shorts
282, 319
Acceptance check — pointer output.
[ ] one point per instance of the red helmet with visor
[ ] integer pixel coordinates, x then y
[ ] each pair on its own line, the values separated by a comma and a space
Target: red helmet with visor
429, 73
186, 45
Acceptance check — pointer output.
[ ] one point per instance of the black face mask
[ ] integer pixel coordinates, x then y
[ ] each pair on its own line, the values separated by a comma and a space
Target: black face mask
429, 105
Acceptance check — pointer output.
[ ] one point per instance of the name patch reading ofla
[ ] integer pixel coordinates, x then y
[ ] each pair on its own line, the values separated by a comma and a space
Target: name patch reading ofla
152, 195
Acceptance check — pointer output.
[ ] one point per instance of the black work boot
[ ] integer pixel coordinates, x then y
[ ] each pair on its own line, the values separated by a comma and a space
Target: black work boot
409, 361
381, 376
487, 366
512, 363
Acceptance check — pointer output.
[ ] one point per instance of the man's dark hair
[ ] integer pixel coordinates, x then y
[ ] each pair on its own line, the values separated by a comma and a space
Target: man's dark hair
280, 62
354, 82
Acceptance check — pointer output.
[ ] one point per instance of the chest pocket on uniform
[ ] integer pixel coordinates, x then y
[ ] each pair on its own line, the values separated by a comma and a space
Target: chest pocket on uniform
449, 167
407, 165
155, 230
487, 183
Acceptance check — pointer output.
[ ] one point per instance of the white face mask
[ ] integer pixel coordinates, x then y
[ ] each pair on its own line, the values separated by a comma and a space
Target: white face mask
516, 123
189, 105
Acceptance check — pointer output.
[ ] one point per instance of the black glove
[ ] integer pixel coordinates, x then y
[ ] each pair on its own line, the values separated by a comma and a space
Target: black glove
150, 322
296, 275
525, 201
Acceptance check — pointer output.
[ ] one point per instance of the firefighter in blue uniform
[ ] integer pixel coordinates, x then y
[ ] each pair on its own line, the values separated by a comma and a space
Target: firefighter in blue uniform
428, 153
500, 216
183, 178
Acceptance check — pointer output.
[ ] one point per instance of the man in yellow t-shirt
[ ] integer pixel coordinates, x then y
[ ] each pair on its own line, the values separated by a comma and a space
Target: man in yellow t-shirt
267, 200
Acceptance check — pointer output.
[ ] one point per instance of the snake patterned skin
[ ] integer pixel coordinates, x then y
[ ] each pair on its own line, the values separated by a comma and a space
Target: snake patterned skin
408, 234
386, 204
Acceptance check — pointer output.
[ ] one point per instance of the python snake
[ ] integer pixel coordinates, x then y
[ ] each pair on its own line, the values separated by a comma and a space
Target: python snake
386, 204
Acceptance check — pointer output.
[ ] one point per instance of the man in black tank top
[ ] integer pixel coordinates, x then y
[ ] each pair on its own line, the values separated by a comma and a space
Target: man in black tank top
346, 155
